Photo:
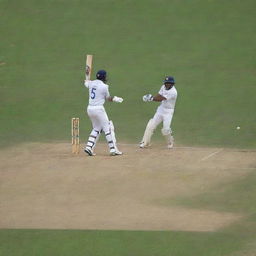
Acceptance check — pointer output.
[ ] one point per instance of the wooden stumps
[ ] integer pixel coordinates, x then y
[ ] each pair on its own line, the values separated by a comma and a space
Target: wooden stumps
75, 135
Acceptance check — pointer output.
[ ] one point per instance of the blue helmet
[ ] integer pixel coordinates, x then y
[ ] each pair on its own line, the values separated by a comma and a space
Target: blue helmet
169, 80
101, 75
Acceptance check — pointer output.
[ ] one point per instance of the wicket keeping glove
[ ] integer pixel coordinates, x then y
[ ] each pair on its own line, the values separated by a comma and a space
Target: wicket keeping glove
147, 97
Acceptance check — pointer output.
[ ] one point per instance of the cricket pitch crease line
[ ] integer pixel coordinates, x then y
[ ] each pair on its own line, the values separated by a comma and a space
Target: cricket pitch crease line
202, 149
211, 155
189, 148
137, 145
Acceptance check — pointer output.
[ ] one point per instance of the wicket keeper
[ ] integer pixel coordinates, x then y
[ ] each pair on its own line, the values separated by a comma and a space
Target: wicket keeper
167, 95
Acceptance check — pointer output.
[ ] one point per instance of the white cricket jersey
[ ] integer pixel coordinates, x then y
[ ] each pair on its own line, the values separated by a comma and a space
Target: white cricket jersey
170, 95
98, 92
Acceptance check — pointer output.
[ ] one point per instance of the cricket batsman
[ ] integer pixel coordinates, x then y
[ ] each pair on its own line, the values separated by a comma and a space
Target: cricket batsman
98, 94
167, 95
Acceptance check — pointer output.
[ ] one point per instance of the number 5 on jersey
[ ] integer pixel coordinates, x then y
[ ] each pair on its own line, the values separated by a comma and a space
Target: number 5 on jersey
93, 94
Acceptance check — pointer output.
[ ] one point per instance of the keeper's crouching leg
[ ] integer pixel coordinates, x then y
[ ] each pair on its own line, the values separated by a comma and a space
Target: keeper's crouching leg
148, 134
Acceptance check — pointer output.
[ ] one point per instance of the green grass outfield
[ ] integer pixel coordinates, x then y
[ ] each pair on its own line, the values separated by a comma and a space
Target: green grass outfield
116, 243
208, 45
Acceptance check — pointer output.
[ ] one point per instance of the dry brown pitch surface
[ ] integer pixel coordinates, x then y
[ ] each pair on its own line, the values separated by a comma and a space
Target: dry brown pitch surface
45, 186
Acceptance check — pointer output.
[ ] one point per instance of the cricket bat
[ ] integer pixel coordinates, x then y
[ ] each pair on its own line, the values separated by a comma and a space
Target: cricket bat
88, 68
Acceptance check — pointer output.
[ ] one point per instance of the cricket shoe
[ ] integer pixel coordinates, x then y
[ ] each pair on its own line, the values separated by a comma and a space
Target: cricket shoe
142, 145
116, 153
89, 152
171, 143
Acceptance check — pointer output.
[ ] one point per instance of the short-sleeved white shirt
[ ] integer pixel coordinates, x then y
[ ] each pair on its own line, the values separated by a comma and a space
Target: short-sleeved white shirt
98, 92
170, 95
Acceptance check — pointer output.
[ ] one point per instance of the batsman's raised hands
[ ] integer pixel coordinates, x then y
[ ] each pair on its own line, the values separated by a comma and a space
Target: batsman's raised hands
147, 97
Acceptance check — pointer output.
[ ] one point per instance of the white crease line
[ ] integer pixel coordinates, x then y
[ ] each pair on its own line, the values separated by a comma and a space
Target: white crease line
212, 154
137, 145
191, 148
196, 148
128, 144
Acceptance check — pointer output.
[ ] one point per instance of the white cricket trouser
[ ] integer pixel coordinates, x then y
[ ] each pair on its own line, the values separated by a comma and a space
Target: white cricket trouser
100, 122
165, 116
99, 118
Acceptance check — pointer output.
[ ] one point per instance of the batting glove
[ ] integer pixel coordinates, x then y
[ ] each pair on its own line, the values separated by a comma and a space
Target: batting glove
147, 97
117, 99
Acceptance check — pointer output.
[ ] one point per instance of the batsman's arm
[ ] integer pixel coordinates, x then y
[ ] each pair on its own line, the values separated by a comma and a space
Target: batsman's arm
115, 99
159, 97
150, 97
112, 98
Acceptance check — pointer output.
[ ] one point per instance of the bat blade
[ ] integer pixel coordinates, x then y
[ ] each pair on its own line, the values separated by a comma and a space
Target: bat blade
88, 68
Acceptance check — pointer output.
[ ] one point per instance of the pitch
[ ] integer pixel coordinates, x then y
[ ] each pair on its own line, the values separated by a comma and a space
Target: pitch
46, 187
